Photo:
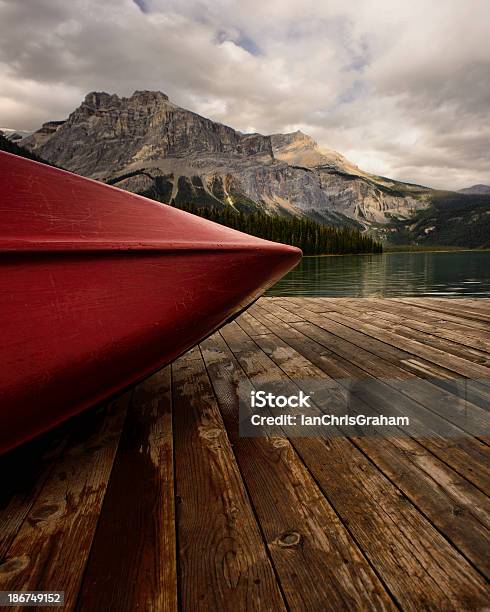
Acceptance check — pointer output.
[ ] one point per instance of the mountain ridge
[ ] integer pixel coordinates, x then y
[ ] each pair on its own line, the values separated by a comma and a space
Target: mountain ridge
147, 144
476, 189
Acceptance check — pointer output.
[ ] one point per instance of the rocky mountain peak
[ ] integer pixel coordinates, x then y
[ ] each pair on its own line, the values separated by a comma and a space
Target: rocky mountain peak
107, 133
296, 139
103, 100
145, 96
297, 148
147, 144
98, 99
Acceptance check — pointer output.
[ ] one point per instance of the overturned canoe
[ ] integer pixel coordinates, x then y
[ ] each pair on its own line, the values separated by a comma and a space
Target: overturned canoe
100, 287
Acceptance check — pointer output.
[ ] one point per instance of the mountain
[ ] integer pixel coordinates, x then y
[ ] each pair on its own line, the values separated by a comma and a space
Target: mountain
147, 144
476, 189
452, 219
11, 147
14, 135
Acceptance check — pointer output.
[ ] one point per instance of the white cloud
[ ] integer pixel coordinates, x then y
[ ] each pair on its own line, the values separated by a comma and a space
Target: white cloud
400, 88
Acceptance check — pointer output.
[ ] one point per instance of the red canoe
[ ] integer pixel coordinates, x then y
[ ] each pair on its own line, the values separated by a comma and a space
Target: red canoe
100, 287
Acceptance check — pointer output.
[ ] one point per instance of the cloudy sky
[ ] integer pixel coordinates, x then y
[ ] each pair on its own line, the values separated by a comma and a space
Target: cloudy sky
401, 88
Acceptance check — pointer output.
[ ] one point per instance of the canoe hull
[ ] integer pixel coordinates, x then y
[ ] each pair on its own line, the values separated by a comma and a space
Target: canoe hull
80, 324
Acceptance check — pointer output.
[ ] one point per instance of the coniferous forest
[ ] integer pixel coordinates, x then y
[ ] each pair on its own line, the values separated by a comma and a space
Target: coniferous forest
311, 237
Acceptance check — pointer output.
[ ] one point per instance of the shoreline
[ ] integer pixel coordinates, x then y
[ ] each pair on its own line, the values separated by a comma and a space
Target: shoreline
390, 252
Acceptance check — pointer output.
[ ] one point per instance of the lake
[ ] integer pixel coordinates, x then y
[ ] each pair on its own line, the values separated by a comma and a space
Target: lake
451, 275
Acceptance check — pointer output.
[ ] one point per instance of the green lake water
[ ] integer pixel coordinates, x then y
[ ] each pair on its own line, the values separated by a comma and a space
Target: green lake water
453, 274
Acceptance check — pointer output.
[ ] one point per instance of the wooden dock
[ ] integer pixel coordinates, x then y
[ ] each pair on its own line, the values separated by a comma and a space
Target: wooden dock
154, 501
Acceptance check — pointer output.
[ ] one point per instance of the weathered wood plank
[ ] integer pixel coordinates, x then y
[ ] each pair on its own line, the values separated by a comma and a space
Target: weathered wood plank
272, 322
464, 454
459, 510
388, 363
477, 391
223, 560
251, 325
424, 309
447, 312
400, 326
417, 564
132, 564
386, 312
286, 315
458, 306
306, 539
468, 455
390, 347
436, 318
406, 345
417, 313
24, 472
479, 304
51, 548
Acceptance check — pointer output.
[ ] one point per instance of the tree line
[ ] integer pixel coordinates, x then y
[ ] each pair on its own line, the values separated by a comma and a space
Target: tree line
311, 237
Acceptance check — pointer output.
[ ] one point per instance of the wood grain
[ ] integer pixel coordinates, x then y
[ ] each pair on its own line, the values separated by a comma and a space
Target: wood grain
304, 535
458, 509
133, 558
156, 502
338, 359
24, 472
223, 560
51, 548
399, 541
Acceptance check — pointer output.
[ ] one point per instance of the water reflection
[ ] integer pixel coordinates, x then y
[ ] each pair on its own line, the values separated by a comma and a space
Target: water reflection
453, 274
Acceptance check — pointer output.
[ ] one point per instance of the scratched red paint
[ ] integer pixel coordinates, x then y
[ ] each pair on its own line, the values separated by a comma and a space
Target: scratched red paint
100, 287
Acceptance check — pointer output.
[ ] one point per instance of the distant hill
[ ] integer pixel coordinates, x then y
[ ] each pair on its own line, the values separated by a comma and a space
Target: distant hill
14, 135
11, 147
452, 219
476, 189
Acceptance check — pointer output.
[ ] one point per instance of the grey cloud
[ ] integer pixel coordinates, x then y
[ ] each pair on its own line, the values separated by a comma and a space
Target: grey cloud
142, 5
400, 88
